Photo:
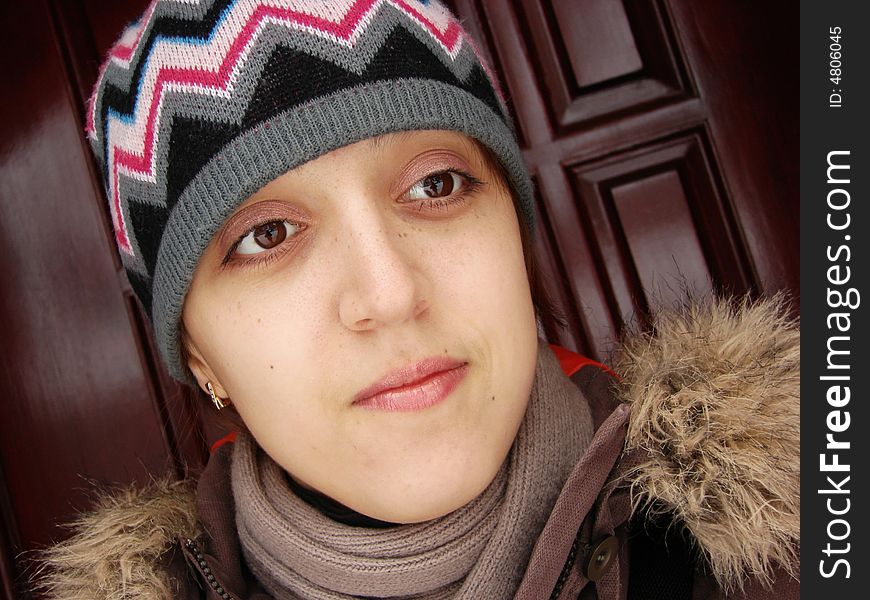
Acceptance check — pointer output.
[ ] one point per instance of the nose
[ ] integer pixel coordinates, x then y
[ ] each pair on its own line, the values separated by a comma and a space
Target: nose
382, 285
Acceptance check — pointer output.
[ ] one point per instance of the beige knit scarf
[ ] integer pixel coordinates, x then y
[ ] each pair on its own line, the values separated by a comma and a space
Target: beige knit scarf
477, 551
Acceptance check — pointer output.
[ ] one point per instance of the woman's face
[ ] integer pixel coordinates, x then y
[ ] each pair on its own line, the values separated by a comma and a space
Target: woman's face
369, 316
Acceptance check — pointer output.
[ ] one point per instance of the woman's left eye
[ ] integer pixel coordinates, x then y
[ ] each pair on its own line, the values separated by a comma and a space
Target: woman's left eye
437, 185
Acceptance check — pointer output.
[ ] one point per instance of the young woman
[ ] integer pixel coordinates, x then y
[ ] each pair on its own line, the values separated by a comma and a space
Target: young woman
324, 210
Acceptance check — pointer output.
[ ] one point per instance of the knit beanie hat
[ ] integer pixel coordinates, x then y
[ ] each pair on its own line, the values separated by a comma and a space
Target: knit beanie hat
202, 103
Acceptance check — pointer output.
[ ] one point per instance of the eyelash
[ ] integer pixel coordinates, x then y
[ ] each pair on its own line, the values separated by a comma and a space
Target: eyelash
261, 259
471, 184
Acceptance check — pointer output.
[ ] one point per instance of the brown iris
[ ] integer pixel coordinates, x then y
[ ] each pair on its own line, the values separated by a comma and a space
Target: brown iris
269, 235
438, 185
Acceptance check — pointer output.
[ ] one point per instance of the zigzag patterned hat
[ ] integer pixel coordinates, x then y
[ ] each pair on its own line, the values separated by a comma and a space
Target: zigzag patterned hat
203, 102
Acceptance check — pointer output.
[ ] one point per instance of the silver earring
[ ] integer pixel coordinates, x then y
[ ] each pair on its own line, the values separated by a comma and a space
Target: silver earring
218, 402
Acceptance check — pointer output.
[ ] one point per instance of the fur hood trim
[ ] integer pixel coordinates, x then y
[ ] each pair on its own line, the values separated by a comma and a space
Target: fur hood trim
116, 549
715, 419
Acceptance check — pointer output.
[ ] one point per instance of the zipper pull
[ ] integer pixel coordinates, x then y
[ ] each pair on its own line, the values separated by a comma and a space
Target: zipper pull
205, 570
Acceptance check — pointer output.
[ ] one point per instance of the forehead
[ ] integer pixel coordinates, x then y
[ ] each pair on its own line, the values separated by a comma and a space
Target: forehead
390, 149
402, 138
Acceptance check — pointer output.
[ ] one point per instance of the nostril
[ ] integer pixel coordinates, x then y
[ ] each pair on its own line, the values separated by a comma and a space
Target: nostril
364, 324
421, 307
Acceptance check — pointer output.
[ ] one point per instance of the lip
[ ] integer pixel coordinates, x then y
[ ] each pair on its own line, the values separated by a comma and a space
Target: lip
414, 387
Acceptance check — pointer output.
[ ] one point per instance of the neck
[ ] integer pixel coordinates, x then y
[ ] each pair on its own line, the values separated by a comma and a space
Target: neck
335, 510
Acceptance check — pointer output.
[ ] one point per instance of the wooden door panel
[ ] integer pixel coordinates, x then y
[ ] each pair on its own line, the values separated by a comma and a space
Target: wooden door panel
660, 225
603, 26
576, 307
77, 403
623, 143
601, 58
744, 60
656, 223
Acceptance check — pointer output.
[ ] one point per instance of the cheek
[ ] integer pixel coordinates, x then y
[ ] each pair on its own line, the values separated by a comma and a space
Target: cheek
267, 356
485, 273
257, 342
490, 303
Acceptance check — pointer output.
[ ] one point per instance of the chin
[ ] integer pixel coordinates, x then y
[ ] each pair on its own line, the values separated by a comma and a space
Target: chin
418, 510
417, 501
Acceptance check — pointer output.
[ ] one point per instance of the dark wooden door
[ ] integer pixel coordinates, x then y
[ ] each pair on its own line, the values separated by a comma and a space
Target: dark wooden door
663, 140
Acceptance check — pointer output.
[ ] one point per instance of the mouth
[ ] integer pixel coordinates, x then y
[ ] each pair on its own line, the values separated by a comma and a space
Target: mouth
414, 387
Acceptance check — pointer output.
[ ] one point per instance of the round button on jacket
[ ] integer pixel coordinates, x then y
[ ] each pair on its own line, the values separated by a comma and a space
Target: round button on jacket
603, 552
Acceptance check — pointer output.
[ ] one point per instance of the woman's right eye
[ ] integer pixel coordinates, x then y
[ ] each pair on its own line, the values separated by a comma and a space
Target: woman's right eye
265, 237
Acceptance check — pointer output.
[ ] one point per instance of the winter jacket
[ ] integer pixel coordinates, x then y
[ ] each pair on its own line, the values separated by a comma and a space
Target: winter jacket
688, 490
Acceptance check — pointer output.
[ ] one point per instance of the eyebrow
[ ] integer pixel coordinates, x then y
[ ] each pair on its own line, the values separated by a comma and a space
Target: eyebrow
378, 143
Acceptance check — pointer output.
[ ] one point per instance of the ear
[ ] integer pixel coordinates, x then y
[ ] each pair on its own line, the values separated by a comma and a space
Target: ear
200, 367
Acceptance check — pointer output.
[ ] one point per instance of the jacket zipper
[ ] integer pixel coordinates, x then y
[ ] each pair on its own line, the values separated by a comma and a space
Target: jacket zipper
205, 571
569, 563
